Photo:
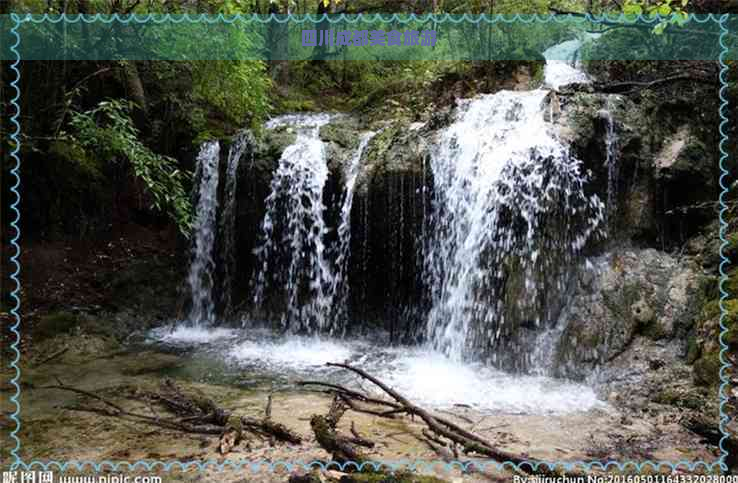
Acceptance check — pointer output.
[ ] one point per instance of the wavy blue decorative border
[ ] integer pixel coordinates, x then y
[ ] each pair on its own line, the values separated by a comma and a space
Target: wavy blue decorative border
257, 466
724, 262
361, 17
15, 224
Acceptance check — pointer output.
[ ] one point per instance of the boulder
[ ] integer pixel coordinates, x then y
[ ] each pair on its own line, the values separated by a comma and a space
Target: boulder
627, 293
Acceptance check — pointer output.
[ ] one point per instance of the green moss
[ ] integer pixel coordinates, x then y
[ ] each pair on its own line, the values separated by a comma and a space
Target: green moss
620, 303
339, 134
692, 160
710, 287
75, 156
276, 141
53, 324
653, 330
706, 369
380, 143
297, 105
681, 399
693, 350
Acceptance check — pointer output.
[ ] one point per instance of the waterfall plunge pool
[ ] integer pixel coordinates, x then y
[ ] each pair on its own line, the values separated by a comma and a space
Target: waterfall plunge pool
259, 359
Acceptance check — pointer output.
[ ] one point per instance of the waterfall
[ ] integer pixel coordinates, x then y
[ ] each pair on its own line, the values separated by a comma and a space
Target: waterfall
340, 282
291, 255
200, 277
228, 216
509, 214
611, 160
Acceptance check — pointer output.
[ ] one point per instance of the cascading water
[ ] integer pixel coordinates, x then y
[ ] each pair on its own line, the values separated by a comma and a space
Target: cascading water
611, 160
509, 215
228, 217
200, 277
562, 64
292, 254
340, 283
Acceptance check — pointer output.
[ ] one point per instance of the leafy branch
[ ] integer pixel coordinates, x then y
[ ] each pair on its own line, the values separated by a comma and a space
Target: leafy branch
108, 131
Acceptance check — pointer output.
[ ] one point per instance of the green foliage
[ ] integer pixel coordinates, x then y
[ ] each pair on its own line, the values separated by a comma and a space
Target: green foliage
239, 89
672, 12
108, 131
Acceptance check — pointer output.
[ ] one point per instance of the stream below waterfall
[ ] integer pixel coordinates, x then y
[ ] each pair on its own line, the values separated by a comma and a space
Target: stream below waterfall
260, 359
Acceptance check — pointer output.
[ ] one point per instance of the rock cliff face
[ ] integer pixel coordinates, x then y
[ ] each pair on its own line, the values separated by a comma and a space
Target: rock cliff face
624, 294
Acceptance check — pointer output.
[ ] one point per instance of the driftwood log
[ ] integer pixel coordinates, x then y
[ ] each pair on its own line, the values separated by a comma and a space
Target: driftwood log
469, 442
341, 448
195, 413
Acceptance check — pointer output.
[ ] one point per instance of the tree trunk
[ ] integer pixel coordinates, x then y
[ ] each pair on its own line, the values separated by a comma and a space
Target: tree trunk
136, 91
278, 37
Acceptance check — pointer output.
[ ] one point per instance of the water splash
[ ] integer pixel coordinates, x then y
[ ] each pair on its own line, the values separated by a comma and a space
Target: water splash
292, 256
509, 215
228, 217
415, 372
340, 282
200, 277
191, 335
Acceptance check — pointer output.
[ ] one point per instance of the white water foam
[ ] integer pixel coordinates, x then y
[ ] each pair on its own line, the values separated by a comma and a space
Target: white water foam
200, 277
500, 176
426, 377
192, 335
340, 282
294, 209
442, 383
295, 352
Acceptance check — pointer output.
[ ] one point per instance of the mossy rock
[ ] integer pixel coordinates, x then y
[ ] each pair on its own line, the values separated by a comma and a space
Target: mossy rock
693, 350
76, 156
337, 132
653, 330
54, 324
296, 105
706, 370
680, 399
275, 141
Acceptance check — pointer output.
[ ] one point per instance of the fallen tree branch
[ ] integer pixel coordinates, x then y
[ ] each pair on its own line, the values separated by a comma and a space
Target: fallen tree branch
628, 86
360, 409
118, 411
141, 418
270, 428
359, 439
470, 442
52, 356
349, 392
340, 447
439, 448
